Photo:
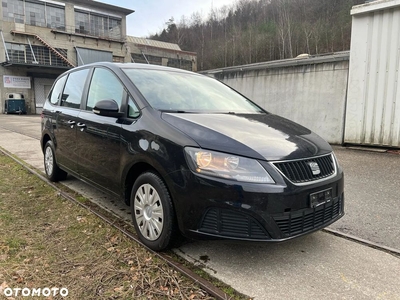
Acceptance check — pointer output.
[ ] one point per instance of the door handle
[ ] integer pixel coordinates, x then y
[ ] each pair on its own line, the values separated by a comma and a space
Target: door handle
71, 123
81, 126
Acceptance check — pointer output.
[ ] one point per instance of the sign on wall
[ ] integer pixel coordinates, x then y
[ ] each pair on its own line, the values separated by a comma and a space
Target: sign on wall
17, 82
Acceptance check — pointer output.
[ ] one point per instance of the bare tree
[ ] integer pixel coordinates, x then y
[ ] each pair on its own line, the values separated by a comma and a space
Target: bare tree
258, 30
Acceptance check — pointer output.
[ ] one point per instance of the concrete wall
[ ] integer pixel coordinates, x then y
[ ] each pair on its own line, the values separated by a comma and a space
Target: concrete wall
309, 91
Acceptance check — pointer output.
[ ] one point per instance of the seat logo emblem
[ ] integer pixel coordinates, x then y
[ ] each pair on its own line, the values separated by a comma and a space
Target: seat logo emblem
314, 168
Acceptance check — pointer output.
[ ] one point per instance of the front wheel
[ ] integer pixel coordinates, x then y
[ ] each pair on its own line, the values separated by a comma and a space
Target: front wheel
152, 212
53, 171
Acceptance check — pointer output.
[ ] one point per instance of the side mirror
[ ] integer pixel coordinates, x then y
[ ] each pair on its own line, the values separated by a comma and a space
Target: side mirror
107, 108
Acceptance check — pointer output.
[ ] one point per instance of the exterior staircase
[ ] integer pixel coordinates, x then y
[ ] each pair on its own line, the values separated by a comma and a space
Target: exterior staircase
52, 49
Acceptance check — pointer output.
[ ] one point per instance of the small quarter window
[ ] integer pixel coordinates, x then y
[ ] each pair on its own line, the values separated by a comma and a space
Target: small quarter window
133, 111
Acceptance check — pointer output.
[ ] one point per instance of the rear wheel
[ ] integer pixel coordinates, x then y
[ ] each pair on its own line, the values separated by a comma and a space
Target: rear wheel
152, 212
53, 172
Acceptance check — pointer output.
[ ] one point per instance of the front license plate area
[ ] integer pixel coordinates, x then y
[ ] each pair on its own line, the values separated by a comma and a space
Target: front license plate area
321, 197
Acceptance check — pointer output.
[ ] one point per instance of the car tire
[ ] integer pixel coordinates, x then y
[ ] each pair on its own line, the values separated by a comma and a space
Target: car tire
53, 171
153, 214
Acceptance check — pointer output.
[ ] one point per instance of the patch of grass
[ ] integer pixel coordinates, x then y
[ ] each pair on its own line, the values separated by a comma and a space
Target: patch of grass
6, 218
14, 243
47, 241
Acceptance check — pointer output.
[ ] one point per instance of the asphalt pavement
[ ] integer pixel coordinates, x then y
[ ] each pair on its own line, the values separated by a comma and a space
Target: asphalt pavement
317, 266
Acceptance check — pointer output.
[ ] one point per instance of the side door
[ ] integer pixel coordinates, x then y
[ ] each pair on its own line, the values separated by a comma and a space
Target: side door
66, 119
99, 137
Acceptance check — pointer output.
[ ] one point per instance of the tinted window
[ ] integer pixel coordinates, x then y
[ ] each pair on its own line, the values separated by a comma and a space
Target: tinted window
104, 86
55, 94
177, 91
73, 89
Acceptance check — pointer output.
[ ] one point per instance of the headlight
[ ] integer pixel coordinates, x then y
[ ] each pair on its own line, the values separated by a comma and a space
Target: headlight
226, 166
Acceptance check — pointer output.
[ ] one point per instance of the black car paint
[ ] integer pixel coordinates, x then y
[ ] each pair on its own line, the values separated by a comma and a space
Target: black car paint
260, 136
105, 151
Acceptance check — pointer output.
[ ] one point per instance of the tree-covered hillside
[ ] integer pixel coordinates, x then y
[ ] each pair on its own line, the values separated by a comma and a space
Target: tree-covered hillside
252, 31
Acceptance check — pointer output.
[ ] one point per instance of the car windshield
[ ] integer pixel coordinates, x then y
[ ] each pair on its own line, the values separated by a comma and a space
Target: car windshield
185, 92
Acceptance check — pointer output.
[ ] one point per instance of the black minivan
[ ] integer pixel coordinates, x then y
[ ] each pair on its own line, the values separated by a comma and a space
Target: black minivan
189, 155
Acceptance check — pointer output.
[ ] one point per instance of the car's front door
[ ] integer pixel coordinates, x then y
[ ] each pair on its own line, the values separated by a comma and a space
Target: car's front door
98, 137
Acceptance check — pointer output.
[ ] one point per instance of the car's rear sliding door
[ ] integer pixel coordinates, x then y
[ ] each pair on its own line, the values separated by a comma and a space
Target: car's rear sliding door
66, 120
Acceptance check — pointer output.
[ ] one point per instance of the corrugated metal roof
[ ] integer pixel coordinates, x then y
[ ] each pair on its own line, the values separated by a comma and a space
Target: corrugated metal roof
152, 43
374, 6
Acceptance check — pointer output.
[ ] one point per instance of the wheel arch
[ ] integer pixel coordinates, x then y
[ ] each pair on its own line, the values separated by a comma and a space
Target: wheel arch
45, 139
133, 173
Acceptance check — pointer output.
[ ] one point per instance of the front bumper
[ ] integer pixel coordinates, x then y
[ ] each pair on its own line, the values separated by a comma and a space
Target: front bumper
220, 209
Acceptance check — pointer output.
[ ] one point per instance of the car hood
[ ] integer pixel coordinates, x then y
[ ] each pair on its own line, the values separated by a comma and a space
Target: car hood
261, 136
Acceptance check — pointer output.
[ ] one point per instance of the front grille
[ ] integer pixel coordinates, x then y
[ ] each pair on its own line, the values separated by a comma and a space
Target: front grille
227, 223
300, 171
300, 222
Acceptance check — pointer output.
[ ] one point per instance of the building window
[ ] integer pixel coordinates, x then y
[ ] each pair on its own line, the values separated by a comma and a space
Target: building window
55, 17
96, 24
157, 60
16, 52
13, 11
21, 53
82, 23
144, 59
180, 63
35, 13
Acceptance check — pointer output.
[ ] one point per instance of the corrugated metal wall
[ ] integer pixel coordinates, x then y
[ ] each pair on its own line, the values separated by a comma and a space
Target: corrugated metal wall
87, 56
373, 100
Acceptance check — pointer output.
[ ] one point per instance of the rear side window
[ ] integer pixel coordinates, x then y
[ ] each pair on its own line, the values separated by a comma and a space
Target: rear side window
55, 94
73, 89
104, 86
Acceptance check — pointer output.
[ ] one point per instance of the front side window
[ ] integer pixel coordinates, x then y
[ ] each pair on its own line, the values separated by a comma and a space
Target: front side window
56, 93
74, 88
104, 86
